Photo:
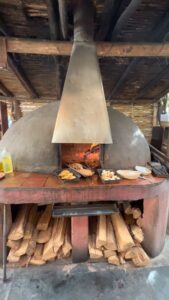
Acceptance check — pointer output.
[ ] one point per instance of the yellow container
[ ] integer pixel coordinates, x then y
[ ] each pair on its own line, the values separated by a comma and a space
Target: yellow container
1, 166
7, 163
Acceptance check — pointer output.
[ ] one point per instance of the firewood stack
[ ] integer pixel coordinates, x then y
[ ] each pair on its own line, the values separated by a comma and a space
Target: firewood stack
118, 237
36, 238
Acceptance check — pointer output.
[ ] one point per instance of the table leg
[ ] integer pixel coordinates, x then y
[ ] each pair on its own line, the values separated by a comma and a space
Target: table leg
4, 240
79, 237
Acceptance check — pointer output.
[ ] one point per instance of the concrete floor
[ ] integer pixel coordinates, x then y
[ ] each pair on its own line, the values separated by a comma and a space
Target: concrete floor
66, 281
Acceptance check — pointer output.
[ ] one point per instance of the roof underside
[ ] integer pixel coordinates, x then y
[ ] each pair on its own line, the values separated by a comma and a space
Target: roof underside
126, 79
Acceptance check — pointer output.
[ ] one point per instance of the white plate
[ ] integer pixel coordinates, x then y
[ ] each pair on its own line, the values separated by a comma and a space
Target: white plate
128, 174
143, 170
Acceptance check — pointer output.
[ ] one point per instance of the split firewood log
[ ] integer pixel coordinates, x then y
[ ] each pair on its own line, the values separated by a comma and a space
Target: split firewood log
32, 243
129, 220
14, 244
110, 237
23, 248
37, 262
139, 222
48, 252
138, 256
123, 237
108, 253
93, 251
101, 234
45, 235
136, 212
121, 259
67, 246
12, 258
30, 222
59, 234
38, 252
17, 229
114, 260
24, 261
137, 233
44, 220
127, 208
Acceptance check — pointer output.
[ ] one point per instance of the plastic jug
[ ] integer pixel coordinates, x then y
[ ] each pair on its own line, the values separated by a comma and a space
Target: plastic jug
7, 162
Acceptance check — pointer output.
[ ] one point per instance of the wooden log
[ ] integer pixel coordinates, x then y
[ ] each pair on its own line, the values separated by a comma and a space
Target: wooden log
93, 251
101, 235
48, 252
138, 256
129, 219
59, 234
114, 260
23, 248
105, 49
24, 261
38, 252
37, 262
121, 259
136, 212
32, 243
110, 237
108, 253
14, 244
137, 233
127, 208
67, 247
44, 220
17, 229
45, 235
12, 258
139, 222
123, 237
30, 222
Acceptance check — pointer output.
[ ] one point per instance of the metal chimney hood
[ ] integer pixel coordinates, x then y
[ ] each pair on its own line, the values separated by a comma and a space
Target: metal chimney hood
83, 116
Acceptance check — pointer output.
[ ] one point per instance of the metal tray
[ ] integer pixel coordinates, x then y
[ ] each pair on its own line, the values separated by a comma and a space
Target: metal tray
99, 171
78, 176
82, 174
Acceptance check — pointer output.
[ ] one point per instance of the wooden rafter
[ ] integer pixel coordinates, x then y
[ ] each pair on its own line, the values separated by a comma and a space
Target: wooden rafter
142, 91
20, 75
4, 91
127, 13
63, 18
158, 32
53, 24
110, 7
104, 49
11, 64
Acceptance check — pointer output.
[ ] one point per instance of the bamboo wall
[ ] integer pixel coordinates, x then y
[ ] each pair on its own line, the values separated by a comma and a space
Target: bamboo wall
141, 113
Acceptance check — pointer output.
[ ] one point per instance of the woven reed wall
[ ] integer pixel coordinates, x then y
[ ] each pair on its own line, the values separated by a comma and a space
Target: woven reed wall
141, 113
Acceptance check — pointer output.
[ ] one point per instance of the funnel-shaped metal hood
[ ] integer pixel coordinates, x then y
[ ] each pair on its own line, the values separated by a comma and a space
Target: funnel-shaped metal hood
83, 116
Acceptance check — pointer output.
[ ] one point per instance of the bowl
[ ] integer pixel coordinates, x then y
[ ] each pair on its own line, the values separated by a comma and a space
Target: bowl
128, 174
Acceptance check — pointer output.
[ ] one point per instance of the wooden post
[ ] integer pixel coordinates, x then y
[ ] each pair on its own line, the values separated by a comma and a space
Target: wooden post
3, 117
9, 222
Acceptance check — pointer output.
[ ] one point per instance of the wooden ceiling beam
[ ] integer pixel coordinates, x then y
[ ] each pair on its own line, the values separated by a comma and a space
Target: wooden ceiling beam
142, 91
109, 10
27, 99
20, 75
124, 17
63, 18
52, 17
4, 91
104, 49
